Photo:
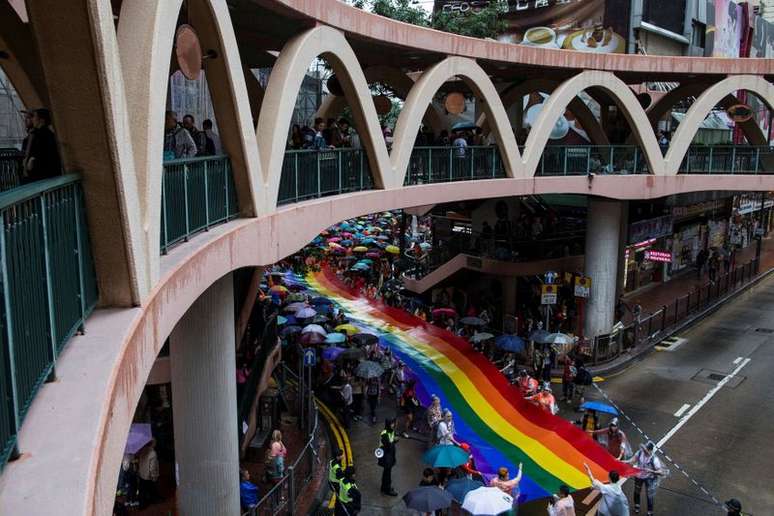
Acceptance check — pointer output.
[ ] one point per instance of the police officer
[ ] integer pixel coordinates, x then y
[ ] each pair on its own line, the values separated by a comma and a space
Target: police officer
387, 462
336, 471
348, 501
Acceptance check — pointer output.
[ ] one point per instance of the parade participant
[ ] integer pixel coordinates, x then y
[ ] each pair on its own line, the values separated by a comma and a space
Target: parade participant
434, 416
614, 502
590, 423
428, 478
568, 378
409, 404
336, 471
734, 507
348, 501
544, 399
470, 467
387, 442
650, 470
561, 504
446, 429
615, 439
527, 385
509, 487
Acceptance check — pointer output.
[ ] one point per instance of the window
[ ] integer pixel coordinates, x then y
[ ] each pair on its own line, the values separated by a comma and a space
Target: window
667, 14
699, 35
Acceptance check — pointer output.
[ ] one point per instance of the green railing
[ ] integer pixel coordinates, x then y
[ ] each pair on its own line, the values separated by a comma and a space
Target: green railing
48, 289
575, 160
196, 194
311, 174
728, 159
447, 164
10, 168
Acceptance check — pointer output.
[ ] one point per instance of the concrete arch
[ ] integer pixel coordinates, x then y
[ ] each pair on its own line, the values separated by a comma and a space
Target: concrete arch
557, 103
146, 32
422, 94
704, 104
577, 107
281, 93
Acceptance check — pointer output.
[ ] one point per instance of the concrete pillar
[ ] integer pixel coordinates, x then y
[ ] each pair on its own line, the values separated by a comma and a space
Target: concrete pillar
623, 239
603, 233
204, 404
509, 294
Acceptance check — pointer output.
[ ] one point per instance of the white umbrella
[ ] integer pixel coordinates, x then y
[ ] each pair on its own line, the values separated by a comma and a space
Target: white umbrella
314, 328
487, 501
295, 307
306, 313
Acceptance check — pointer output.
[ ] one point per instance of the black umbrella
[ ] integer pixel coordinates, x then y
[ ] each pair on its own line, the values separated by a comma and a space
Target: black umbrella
364, 339
290, 330
472, 321
351, 354
428, 499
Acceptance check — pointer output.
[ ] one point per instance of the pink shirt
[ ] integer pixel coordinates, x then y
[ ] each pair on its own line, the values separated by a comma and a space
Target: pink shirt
277, 448
506, 486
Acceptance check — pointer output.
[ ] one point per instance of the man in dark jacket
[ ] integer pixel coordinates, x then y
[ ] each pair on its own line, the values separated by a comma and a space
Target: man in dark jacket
388, 460
41, 158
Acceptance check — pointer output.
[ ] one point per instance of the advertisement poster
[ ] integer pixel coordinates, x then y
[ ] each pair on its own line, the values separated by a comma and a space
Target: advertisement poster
724, 28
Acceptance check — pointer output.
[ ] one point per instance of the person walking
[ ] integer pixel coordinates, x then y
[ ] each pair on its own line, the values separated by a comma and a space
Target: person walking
277, 454
445, 433
248, 491
434, 416
348, 501
650, 469
373, 391
507, 486
568, 379
408, 405
615, 439
387, 441
41, 158
561, 504
148, 471
336, 468
614, 502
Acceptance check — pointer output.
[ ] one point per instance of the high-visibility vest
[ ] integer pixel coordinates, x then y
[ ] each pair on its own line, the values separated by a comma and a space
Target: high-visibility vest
344, 488
390, 436
333, 471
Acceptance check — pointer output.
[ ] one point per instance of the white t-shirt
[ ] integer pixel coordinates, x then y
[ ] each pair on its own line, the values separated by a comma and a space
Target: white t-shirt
346, 394
444, 433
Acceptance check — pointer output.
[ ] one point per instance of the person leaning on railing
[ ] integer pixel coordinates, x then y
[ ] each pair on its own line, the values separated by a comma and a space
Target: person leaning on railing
41, 154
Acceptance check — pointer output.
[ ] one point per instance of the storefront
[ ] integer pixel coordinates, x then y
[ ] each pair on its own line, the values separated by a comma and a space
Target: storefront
647, 237
746, 218
697, 226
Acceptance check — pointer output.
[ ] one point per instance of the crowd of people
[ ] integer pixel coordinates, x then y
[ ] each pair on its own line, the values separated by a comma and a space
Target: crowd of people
185, 140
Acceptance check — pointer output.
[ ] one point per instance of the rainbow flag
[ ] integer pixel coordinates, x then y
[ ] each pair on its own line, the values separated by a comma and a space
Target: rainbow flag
489, 413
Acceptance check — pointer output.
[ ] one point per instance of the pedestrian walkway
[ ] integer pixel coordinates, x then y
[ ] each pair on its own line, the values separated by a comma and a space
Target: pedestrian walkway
655, 297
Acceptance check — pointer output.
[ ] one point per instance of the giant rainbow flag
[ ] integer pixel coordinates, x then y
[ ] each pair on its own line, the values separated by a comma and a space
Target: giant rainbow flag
489, 413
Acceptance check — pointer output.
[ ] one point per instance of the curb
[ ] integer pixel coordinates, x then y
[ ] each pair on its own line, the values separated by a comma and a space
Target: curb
639, 354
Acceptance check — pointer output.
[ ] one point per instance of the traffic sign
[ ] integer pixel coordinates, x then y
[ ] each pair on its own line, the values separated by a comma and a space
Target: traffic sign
548, 295
310, 358
582, 286
551, 277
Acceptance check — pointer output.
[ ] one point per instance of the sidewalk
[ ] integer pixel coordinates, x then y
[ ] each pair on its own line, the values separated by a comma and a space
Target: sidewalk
652, 299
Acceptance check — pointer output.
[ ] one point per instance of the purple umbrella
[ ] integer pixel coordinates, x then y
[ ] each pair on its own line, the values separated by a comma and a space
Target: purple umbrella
139, 436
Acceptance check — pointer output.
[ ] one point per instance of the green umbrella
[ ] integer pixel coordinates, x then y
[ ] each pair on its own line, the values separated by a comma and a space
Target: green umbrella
445, 456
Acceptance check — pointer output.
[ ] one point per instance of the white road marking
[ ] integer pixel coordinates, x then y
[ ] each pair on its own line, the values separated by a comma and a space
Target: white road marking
674, 343
682, 410
701, 403
738, 359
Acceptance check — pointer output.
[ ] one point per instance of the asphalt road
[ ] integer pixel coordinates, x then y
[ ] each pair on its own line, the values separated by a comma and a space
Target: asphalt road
726, 444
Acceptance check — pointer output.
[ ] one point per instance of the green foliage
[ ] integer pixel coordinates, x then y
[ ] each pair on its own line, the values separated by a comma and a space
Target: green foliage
483, 23
408, 11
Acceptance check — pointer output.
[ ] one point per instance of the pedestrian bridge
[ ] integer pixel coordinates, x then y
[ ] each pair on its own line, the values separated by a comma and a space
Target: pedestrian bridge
124, 246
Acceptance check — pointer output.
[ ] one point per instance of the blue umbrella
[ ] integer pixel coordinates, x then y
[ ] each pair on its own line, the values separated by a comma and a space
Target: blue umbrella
332, 353
346, 243
539, 336
512, 343
459, 487
445, 456
289, 319
599, 407
335, 338
427, 499
281, 320
290, 330
321, 301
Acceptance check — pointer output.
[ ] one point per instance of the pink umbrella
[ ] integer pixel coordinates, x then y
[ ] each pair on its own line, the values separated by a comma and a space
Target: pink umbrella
334, 239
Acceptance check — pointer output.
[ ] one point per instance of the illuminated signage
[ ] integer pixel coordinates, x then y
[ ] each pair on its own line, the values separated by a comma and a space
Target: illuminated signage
658, 256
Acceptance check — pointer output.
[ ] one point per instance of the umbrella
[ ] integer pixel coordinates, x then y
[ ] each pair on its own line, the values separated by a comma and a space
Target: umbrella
306, 313
333, 240
319, 301
335, 338
139, 436
315, 328
428, 499
290, 330
425, 246
368, 369
351, 354
296, 296
332, 353
294, 307
445, 456
289, 319
472, 321
346, 243
444, 312
392, 249
599, 407
360, 267
348, 329
364, 339
481, 337
539, 336
373, 254
279, 289
459, 487
487, 501
281, 320
464, 126
320, 319
558, 338
512, 343
360, 249
312, 338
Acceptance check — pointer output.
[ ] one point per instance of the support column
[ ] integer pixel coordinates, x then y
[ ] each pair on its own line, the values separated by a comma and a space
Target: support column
509, 294
624, 236
203, 369
603, 230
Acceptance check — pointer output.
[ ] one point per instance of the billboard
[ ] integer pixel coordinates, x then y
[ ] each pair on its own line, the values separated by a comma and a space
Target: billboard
724, 28
585, 25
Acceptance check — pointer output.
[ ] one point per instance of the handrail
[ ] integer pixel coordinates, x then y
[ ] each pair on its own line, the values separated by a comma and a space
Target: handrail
181, 161
26, 192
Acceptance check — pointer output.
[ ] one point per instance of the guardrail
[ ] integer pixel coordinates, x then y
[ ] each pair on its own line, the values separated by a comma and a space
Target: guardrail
48, 289
311, 174
196, 194
654, 327
448, 164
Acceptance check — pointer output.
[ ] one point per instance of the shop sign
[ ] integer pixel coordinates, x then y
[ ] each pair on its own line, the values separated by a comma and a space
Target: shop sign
650, 228
658, 256
698, 208
582, 286
748, 204
548, 295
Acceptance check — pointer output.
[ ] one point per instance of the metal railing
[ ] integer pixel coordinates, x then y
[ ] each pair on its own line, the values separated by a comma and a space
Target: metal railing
654, 327
311, 174
281, 499
196, 194
448, 164
11, 162
728, 159
49, 287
